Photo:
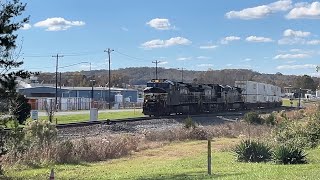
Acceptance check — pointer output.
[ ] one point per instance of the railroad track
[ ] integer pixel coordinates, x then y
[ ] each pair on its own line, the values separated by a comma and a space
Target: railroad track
107, 121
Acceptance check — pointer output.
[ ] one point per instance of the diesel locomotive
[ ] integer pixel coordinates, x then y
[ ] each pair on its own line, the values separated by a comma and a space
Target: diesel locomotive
165, 97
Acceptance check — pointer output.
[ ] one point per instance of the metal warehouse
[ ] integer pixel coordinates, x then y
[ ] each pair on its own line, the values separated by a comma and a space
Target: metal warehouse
99, 93
77, 98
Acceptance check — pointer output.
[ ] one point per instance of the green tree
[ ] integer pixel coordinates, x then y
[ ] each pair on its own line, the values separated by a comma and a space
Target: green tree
10, 11
305, 82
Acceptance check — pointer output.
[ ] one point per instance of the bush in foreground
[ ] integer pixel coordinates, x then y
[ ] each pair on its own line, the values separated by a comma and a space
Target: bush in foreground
253, 118
285, 154
189, 123
251, 151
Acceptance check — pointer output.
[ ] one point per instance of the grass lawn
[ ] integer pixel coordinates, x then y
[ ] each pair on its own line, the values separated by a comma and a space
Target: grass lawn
286, 102
186, 160
62, 119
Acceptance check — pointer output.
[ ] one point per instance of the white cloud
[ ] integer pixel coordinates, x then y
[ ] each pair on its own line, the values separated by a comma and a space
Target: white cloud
227, 39
58, 24
290, 62
292, 33
124, 29
163, 62
294, 67
260, 11
247, 60
291, 56
291, 41
208, 47
160, 24
313, 42
296, 50
26, 26
203, 57
302, 51
184, 58
158, 43
305, 10
258, 39
205, 65
228, 65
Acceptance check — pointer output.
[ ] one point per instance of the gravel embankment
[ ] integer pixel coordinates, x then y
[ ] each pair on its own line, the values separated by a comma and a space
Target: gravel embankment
139, 126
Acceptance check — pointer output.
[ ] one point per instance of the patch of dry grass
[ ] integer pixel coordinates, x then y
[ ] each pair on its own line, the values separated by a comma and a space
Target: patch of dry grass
100, 148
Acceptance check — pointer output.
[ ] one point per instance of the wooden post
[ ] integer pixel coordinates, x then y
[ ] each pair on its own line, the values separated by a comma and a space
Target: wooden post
209, 157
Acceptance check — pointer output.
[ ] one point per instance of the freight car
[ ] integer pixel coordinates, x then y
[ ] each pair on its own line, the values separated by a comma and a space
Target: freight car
164, 97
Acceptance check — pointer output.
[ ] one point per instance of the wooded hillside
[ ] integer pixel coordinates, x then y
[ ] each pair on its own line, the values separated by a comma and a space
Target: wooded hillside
140, 75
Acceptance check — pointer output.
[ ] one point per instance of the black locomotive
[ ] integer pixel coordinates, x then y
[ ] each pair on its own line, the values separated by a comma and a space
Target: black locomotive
164, 97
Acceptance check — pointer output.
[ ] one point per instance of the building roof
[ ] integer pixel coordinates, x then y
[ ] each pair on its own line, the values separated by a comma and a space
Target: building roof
82, 88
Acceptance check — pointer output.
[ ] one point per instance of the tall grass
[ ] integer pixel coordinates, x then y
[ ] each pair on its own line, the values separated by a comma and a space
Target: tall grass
106, 147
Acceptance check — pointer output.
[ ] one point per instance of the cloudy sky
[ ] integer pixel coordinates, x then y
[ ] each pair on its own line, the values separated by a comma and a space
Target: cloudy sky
265, 36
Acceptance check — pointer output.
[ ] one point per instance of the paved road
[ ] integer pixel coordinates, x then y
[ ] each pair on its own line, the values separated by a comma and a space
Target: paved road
61, 113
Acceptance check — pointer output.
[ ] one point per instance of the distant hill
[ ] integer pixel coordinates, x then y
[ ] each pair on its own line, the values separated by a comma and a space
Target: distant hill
140, 76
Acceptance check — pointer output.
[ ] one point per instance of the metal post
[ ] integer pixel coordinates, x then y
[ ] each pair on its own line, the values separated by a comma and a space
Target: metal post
209, 157
92, 81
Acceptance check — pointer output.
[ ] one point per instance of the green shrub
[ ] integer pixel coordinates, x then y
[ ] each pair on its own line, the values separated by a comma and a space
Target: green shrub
251, 151
291, 133
40, 132
188, 123
270, 120
287, 154
312, 133
253, 118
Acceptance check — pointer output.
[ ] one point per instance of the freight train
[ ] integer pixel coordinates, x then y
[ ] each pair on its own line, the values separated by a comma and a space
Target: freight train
165, 97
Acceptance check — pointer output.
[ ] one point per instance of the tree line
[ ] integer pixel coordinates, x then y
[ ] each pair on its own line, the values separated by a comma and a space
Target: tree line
141, 75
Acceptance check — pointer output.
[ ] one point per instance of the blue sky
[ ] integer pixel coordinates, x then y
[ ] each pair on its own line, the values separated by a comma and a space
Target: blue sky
265, 36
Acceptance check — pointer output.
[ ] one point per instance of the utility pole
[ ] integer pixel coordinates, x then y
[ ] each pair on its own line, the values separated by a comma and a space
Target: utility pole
109, 84
156, 62
56, 97
181, 74
299, 99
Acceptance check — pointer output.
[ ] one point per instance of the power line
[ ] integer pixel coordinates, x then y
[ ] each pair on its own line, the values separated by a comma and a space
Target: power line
65, 54
132, 57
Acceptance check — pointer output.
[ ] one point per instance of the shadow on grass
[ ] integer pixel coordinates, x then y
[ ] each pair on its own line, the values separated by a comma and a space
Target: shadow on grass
191, 175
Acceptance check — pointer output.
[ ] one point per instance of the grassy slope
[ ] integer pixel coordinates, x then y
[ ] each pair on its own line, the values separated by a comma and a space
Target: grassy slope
103, 115
286, 102
179, 161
